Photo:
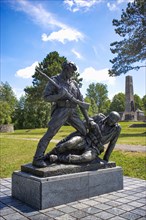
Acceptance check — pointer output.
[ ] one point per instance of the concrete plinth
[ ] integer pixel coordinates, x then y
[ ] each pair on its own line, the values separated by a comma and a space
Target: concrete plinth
47, 192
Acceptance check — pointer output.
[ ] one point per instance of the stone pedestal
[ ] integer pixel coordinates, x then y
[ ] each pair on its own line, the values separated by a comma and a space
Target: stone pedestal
45, 192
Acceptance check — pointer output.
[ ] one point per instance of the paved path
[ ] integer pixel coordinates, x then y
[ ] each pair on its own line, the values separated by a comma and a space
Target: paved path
133, 148
129, 203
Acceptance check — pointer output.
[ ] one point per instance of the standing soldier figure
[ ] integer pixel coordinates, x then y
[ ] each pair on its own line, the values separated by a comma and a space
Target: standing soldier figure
64, 109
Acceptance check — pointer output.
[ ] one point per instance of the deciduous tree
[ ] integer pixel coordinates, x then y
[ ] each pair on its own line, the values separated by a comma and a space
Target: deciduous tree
118, 103
99, 93
144, 103
138, 102
8, 103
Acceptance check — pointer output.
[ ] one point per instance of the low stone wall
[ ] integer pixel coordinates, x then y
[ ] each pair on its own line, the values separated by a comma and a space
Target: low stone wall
7, 128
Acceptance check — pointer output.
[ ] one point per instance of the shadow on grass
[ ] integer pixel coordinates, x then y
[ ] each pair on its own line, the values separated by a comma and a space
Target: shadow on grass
134, 135
24, 133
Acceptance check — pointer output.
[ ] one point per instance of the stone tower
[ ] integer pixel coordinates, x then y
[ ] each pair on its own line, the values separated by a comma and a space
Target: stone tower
129, 95
129, 113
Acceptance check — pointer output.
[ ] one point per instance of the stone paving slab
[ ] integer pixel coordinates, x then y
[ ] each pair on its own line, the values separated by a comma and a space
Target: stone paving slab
128, 204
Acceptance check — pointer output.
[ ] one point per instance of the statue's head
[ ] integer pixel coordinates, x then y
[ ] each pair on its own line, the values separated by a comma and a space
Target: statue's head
69, 68
113, 118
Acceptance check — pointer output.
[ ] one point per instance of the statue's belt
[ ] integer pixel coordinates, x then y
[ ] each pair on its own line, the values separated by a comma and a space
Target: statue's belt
66, 103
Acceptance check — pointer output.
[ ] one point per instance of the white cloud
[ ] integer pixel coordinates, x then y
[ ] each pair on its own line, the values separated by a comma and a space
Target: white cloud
38, 13
64, 35
85, 5
41, 17
76, 5
91, 75
113, 6
27, 72
101, 76
78, 55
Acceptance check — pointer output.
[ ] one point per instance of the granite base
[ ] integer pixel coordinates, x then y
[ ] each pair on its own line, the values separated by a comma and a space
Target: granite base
42, 193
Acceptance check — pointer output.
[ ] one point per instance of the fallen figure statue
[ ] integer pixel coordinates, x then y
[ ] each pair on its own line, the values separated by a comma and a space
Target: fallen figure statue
78, 149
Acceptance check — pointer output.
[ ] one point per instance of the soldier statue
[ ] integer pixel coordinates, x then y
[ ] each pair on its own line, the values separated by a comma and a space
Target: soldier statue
64, 94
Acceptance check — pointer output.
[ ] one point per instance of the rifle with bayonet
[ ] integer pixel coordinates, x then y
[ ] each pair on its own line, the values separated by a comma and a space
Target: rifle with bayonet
69, 96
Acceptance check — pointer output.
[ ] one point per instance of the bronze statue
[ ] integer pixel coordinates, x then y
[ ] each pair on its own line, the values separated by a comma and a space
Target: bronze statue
64, 94
77, 149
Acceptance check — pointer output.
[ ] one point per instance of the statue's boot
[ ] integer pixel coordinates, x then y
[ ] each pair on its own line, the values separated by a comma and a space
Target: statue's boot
38, 160
40, 163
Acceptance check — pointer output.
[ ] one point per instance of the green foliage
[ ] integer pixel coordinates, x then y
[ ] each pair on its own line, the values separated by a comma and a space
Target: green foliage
132, 49
144, 103
36, 114
106, 109
5, 113
118, 103
31, 114
8, 103
78, 79
19, 113
93, 109
98, 94
138, 102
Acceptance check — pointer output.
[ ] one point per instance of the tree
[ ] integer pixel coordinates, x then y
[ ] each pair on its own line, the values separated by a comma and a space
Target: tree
118, 103
99, 93
132, 49
138, 102
36, 115
144, 104
93, 109
78, 79
107, 107
19, 113
5, 113
8, 103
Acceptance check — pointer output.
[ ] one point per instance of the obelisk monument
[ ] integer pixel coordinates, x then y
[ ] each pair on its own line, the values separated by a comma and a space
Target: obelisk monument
129, 113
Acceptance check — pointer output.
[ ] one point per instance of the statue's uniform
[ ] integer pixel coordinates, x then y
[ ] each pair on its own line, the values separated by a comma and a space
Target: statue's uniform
63, 110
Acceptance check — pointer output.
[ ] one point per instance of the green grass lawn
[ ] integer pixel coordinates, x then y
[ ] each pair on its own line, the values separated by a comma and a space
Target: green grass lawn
133, 136
19, 147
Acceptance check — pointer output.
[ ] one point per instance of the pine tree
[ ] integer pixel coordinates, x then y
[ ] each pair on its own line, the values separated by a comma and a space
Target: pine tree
131, 50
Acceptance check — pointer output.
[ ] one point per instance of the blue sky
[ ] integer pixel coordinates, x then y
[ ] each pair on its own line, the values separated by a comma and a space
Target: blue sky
79, 30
